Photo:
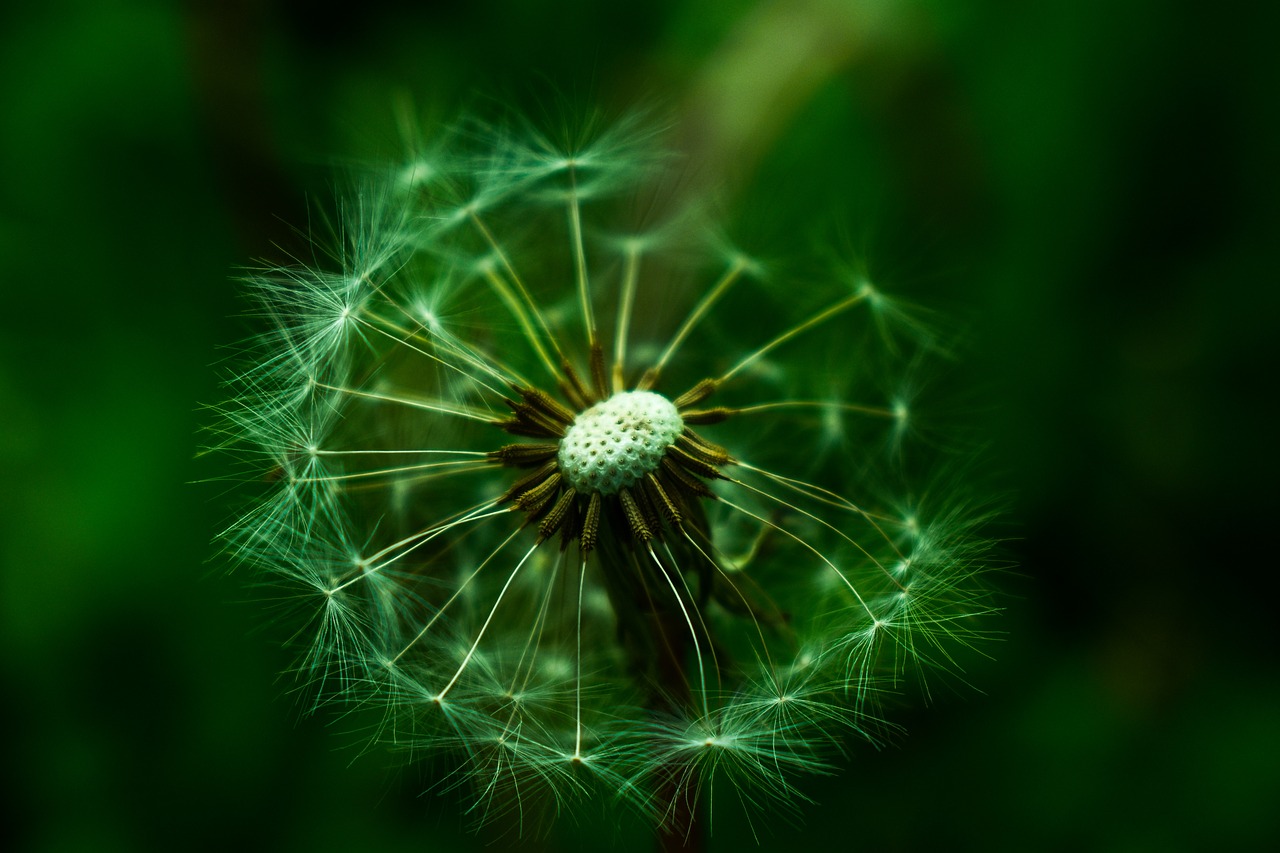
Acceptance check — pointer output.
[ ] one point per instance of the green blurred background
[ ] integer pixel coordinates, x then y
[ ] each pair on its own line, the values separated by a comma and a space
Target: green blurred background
1088, 187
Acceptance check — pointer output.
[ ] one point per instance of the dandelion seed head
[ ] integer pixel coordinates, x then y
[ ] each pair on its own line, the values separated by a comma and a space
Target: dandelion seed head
615, 443
589, 500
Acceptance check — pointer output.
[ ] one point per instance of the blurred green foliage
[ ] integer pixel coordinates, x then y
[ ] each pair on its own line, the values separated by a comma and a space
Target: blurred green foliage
1089, 188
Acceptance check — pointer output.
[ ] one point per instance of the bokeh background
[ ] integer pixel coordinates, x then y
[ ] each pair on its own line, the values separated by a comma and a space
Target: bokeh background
1087, 188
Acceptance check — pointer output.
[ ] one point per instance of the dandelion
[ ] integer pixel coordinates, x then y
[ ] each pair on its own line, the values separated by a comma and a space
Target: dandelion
583, 496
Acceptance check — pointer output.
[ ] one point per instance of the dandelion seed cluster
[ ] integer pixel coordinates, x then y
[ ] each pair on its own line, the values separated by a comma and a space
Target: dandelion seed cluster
616, 443
588, 501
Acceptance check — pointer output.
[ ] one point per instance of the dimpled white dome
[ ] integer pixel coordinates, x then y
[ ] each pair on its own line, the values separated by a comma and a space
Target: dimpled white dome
615, 443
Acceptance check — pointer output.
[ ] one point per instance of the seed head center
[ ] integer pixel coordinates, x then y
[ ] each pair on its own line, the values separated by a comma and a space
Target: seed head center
613, 444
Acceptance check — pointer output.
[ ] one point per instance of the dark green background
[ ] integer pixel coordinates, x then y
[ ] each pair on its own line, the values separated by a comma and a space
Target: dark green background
1088, 187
